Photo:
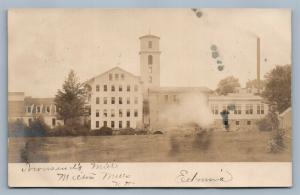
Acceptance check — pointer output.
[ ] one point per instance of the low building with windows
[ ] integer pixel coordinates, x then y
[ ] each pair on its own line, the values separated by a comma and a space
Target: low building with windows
27, 109
115, 99
237, 110
163, 100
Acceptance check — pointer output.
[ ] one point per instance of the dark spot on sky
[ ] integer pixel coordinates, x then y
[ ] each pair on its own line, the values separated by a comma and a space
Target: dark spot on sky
220, 67
215, 54
266, 59
213, 47
199, 14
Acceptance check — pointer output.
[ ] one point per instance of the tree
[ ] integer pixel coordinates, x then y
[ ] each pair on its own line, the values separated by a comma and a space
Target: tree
278, 87
70, 100
227, 85
254, 84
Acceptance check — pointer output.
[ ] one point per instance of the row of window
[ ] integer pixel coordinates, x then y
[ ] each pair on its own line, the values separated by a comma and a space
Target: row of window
40, 109
120, 113
53, 121
113, 124
120, 100
116, 77
237, 123
238, 109
120, 88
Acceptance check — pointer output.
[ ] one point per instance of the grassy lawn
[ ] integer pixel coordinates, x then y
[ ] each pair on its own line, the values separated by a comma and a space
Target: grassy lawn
213, 146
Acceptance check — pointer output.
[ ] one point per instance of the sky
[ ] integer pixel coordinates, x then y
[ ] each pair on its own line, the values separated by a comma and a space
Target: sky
45, 44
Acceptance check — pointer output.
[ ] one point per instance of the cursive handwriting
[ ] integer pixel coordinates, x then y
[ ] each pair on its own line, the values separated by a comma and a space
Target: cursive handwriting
186, 176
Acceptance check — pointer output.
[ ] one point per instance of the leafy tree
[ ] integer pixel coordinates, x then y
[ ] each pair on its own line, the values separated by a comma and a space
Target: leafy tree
227, 85
278, 87
70, 100
254, 84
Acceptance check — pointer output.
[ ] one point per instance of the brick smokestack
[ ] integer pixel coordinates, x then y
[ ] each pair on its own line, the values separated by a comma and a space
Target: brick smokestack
258, 63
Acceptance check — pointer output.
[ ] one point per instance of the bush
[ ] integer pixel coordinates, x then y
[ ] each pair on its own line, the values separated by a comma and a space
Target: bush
37, 127
269, 122
16, 128
103, 131
157, 132
127, 131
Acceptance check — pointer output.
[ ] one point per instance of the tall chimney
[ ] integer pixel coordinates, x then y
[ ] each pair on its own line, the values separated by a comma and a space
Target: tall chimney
258, 63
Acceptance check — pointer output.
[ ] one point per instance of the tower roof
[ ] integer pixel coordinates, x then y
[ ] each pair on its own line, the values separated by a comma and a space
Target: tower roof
149, 36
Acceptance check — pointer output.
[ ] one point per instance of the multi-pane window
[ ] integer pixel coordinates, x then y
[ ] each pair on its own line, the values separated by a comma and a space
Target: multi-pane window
260, 109
249, 109
225, 108
113, 100
53, 121
238, 109
128, 113
128, 100
237, 122
112, 113
120, 124
120, 113
112, 124
97, 113
105, 113
104, 123
117, 77
97, 124
112, 88
150, 59
128, 87
128, 124
120, 100
136, 100
166, 98
215, 109
120, 88
136, 113
149, 44
110, 77
29, 109
105, 100
104, 87
97, 100
97, 88
136, 88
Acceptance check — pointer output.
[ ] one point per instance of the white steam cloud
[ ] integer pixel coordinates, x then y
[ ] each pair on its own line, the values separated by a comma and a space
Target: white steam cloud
191, 109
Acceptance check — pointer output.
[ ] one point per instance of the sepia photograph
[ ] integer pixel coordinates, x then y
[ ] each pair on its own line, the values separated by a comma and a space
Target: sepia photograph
110, 86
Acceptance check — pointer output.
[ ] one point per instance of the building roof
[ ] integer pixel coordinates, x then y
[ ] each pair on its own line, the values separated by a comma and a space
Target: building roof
149, 36
235, 96
289, 109
179, 89
16, 93
115, 68
30, 101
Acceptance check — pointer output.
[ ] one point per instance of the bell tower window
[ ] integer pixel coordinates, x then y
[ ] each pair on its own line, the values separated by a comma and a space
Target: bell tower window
150, 59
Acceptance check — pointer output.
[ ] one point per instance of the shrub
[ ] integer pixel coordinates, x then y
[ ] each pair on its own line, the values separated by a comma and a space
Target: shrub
16, 128
103, 131
37, 127
269, 122
127, 131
